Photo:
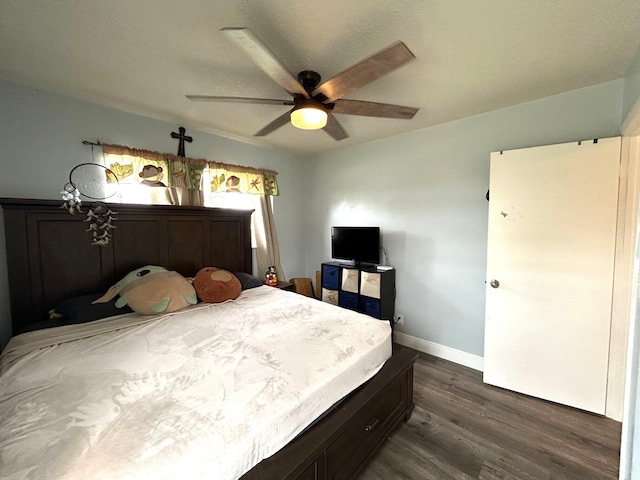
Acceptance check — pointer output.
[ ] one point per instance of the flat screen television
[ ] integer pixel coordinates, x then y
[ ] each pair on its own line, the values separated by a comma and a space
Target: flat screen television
357, 244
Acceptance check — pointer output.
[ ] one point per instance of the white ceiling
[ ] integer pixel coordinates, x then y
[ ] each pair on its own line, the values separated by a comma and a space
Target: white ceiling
143, 56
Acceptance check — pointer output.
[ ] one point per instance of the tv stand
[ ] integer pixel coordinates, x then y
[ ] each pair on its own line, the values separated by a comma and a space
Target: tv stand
360, 287
363, 265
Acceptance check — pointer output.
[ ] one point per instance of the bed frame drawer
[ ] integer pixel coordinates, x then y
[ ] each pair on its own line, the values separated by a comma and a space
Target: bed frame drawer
366, 431
310, 473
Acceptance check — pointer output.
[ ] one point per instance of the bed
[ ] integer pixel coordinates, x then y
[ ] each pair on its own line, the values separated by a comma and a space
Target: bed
214, 391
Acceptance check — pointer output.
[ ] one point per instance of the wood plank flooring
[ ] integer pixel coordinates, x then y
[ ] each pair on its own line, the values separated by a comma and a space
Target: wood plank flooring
464, 429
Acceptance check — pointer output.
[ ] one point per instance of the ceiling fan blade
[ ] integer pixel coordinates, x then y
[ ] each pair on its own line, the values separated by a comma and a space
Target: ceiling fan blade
373, 109
365, 72
277, 123
334, 128
263, 101
265, 59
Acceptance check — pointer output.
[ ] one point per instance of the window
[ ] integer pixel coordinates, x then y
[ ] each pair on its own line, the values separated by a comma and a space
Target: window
146, 177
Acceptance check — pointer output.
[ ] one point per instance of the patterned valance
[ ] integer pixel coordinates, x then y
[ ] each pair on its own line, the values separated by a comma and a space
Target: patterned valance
146, 167
236, 178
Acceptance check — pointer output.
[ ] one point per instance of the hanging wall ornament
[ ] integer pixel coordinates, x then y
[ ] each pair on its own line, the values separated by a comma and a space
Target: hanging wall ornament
71, 197
100, 218
96, 182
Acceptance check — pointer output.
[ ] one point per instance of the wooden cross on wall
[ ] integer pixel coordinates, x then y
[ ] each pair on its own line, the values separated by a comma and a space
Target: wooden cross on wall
182, 138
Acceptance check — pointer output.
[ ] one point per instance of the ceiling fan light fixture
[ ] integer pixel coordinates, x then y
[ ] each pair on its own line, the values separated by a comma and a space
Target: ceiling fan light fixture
309, 116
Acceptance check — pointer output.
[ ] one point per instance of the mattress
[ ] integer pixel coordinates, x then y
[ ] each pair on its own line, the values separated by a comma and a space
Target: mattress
207, 392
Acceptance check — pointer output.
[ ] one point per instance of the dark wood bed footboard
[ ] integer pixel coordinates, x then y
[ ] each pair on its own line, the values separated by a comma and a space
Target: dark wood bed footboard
342, 443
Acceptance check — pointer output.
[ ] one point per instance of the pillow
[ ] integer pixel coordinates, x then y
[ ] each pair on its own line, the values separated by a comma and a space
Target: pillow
248, 281
214, 285
152, 289
80, 309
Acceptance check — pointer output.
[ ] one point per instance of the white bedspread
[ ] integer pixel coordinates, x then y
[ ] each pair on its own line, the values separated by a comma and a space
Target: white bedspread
207, 392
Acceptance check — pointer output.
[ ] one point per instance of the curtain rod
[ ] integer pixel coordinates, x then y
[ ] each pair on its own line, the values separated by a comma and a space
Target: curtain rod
87, 142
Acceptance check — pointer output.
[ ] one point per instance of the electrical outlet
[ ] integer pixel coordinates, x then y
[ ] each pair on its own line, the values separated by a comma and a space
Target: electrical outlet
398, 319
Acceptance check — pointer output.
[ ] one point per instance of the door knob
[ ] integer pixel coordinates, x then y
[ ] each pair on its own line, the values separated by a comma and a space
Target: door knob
494, 283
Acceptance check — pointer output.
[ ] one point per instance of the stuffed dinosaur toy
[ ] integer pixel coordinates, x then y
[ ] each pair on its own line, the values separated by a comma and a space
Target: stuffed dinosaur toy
152, 289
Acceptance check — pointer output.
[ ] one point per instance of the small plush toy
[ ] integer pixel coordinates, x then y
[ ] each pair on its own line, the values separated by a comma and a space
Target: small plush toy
152, 289
271, 277
214, 285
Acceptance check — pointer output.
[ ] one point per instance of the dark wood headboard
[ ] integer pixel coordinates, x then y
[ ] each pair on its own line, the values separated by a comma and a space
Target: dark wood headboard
50, 256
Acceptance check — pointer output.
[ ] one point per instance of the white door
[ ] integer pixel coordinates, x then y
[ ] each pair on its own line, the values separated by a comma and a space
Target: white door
551, 245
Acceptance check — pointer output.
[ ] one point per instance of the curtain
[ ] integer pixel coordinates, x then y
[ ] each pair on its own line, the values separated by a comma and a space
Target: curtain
146, 176
154, 169
236, 178
185, 180
153, 177
267, 248
226, 178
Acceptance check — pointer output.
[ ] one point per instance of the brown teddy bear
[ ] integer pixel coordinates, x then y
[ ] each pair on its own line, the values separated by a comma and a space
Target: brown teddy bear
214, 285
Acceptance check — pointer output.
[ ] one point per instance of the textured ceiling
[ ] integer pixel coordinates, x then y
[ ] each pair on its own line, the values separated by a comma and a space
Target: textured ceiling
144, 56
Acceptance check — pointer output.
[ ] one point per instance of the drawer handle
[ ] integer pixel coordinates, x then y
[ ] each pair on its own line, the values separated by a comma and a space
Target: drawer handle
372, 425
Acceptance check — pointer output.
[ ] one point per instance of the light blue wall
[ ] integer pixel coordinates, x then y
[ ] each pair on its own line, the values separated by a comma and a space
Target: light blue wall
41, 138
426, 190
631, 92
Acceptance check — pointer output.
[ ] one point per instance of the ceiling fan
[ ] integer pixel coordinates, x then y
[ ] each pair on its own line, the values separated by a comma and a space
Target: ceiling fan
314, 103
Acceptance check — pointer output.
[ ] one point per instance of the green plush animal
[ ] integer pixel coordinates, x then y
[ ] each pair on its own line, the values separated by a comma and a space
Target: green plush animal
152, 289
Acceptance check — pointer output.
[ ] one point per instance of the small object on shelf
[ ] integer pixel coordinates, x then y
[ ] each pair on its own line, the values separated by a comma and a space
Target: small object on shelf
271, 277
384, 268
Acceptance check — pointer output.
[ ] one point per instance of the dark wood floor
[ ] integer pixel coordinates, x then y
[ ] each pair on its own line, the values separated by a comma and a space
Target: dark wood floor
464, 429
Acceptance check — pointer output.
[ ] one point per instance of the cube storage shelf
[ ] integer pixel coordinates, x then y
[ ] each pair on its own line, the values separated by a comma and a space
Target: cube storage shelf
363, 289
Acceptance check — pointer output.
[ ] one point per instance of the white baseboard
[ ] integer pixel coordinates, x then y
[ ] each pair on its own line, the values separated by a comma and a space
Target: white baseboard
458, 356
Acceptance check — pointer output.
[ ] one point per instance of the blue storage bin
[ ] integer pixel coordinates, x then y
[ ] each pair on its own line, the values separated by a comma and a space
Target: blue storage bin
348, 300
371, 306
330, 277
